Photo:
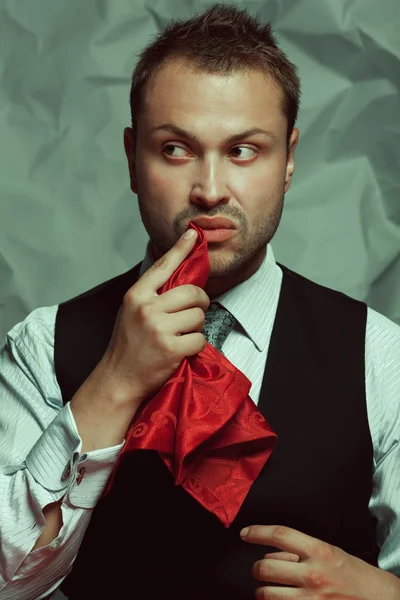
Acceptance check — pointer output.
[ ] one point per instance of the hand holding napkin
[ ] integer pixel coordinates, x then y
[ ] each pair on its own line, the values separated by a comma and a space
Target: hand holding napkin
202, 422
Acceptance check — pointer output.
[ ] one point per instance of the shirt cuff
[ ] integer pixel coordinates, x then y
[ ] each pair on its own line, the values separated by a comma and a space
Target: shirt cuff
91, 473
56, 464
58, 447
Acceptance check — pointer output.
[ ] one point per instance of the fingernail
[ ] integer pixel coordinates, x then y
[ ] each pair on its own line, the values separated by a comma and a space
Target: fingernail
190, 233
244, 532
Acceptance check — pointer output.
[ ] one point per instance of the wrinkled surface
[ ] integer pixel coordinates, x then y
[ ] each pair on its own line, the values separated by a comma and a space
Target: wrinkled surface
68, 219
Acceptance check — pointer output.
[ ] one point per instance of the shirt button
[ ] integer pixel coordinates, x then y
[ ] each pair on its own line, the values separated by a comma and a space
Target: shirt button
80, 476
54, 545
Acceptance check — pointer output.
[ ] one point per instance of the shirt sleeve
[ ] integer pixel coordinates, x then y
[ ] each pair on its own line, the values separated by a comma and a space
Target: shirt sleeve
383, 400
40, 463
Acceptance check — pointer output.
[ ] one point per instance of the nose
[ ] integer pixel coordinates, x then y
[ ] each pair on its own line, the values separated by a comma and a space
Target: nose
210, 188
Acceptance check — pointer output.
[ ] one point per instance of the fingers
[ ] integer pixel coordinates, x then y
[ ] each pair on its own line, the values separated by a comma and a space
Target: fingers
190, 344
280, 571
183, 297
164, 267
283, 556
186, 321
264, 592
284, 538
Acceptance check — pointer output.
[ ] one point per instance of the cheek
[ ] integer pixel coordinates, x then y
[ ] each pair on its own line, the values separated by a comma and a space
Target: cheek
159, 193
256, 188
264, 174
161, 183
260, 197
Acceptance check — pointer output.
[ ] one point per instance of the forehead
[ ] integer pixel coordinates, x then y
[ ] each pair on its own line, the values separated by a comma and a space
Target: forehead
200, 100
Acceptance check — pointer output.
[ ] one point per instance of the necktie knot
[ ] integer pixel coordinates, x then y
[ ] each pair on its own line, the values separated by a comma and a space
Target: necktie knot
218, 324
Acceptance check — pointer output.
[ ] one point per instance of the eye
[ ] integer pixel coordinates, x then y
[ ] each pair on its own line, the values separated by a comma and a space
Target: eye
243, 152
174, 151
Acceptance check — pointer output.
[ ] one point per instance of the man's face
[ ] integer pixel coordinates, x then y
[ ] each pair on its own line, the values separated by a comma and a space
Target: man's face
185, 163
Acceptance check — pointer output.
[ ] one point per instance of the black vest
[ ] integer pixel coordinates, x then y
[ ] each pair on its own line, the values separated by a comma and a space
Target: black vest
149, 539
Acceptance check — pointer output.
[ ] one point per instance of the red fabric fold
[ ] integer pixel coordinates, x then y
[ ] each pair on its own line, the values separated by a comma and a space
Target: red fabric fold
202, 422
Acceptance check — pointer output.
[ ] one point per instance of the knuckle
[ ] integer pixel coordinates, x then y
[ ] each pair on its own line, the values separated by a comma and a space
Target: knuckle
200, 316
167, 347
203, 342
129, 299
199, 342
193, 291
155, 335
314, 578
161, 263
326, 552
279, 533
144, 311
204, 298
265, 569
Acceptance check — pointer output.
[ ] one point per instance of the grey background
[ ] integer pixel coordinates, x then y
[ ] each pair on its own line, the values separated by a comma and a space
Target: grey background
68, 219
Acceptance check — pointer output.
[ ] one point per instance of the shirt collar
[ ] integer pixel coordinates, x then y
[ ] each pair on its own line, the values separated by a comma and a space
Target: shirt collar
253, 302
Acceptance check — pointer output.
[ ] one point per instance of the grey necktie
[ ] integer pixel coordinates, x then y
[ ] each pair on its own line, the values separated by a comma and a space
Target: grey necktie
218, 324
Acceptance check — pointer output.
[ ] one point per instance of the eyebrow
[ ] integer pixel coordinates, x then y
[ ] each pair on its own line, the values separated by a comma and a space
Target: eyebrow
175, 130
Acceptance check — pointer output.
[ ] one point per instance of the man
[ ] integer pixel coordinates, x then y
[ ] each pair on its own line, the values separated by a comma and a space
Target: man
214, 103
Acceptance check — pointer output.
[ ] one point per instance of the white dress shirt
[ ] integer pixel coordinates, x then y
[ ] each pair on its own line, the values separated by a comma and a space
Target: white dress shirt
39, 439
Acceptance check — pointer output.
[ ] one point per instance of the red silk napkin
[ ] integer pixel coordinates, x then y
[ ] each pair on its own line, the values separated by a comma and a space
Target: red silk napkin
202, 422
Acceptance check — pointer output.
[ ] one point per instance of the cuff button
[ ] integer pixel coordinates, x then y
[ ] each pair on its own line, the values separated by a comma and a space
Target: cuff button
80, 476
66, 472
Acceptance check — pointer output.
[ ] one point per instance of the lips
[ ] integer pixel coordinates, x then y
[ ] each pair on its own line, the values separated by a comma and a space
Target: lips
214, 223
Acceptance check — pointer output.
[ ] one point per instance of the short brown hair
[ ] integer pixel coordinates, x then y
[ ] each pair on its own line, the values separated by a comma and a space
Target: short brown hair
223, 39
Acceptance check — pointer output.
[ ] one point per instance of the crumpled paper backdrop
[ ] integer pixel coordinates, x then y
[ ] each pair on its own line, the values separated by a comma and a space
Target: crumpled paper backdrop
68, 219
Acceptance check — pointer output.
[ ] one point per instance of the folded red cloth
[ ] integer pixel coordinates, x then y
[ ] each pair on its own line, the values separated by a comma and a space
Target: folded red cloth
202, 422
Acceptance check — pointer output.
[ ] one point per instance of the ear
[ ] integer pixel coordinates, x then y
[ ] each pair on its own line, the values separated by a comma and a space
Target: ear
129, 145
294, 138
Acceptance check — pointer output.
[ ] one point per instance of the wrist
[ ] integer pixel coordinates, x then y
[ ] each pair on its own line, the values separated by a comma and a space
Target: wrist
115, 391
101, 417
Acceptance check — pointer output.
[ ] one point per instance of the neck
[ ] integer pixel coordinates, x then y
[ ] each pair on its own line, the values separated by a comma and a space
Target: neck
216, 286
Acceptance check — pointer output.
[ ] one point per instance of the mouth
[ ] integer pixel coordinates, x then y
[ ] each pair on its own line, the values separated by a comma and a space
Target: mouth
214, 223
216, 229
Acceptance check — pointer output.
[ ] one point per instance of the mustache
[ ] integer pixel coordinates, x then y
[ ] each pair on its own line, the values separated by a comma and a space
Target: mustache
188, 214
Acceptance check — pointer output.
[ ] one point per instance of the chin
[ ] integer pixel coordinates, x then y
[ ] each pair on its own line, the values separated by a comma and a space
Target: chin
237, 264
224, 267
